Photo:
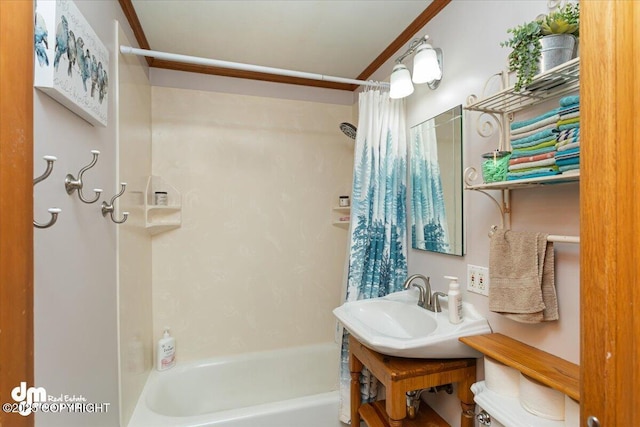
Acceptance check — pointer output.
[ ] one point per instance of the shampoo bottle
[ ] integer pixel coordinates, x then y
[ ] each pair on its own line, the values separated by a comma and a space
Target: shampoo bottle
166, 354
455, 300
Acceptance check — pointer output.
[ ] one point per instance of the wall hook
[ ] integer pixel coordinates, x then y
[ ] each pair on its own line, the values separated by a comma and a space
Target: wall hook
53, 211
72, 184
109, 209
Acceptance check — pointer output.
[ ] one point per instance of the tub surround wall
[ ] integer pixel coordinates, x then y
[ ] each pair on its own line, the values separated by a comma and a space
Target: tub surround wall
134, 243
75, 261
257, 264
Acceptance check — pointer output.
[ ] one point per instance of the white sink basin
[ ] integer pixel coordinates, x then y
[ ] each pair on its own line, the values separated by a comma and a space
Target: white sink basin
397, 326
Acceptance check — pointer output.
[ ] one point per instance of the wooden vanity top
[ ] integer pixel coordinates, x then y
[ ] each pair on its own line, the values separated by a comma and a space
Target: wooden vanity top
550, 370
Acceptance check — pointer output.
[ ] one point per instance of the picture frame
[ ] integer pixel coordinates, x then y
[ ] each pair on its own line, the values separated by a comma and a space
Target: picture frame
71, 62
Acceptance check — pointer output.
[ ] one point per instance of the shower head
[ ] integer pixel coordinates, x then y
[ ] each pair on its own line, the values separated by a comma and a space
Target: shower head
348, 129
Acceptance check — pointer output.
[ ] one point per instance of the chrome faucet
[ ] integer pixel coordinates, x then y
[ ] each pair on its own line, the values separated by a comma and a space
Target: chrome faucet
424, 300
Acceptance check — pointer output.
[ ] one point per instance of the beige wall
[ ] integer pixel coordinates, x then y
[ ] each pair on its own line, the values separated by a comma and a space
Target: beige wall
75, 262
257, 264
134, 243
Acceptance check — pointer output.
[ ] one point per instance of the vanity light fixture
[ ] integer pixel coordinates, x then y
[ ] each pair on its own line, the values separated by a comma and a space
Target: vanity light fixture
427, 68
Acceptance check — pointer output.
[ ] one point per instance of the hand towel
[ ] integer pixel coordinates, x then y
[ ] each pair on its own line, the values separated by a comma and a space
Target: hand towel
568, 121
523, 123
567, 116
569, 110
568, 168
569, 126
570, 100
536, 173
573, 142
537, 125
527, 153
531, 158
568, 134
526, 165
534, 142
539, 134
538, 169
521, 273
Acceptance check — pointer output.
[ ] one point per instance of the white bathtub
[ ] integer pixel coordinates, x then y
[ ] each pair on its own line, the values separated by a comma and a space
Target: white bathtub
294, 387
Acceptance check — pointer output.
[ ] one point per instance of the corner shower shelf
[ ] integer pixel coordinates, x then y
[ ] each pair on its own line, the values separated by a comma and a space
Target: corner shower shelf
161, 218
341, 210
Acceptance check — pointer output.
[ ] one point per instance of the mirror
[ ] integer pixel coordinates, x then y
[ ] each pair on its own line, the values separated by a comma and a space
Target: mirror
436, 183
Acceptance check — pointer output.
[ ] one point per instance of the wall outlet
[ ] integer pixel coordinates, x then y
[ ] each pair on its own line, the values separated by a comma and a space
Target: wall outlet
478, 279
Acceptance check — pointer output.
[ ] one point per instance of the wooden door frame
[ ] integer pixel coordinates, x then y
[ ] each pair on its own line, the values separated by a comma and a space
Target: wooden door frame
609, 207
16, 202
610, 211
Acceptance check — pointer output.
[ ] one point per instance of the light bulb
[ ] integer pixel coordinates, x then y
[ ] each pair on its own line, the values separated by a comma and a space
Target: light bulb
401, 85
425, 65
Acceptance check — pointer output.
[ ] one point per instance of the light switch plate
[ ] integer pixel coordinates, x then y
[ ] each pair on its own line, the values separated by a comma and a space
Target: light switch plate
478, 279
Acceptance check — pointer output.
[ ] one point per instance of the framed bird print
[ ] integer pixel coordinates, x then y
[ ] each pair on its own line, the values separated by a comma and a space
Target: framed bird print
71, 63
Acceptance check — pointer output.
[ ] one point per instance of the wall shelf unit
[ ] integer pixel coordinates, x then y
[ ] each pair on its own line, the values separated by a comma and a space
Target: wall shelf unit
160, 218
559, 81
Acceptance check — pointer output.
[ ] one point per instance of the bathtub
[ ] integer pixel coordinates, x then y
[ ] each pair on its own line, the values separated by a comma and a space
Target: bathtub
294, 387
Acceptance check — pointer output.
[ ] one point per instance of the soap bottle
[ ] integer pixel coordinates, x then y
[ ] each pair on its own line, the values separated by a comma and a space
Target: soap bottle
166, 354
455, 300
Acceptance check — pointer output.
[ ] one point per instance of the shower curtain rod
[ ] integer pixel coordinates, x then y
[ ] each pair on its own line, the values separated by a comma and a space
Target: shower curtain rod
246, 67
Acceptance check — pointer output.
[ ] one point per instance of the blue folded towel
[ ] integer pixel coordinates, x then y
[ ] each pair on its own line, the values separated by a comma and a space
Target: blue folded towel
568, 152
569, 110
517, 125
532, 175
569, 167
569, 100
571, 161
536, 136
569, 126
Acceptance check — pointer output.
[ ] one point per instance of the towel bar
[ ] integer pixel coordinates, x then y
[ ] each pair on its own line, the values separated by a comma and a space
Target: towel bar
550, 237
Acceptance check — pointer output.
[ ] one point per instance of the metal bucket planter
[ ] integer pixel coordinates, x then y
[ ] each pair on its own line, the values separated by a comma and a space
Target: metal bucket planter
556, 49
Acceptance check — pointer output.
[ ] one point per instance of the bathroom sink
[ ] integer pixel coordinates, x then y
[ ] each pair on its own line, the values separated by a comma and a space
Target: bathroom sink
395, 325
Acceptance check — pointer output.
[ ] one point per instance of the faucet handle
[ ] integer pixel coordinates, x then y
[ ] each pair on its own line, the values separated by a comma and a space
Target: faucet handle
436, 301
421, 298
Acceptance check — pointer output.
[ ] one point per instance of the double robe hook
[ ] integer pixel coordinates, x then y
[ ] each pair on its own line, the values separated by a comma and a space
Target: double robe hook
53, 211
72, 184
108, 208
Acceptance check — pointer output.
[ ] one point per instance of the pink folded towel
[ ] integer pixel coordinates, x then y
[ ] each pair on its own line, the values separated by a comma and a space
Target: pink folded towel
521, 273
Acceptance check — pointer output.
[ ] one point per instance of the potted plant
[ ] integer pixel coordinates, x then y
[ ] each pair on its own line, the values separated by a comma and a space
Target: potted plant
554, 33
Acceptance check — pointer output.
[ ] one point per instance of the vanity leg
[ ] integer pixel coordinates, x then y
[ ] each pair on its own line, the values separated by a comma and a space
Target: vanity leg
467, 417
395, 423
355, 368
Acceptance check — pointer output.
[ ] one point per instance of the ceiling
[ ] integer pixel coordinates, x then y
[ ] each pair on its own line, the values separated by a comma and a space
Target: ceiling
343, 38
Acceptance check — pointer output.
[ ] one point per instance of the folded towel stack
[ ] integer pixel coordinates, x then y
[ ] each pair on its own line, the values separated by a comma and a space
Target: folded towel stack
568, 138
548, 144
533, 145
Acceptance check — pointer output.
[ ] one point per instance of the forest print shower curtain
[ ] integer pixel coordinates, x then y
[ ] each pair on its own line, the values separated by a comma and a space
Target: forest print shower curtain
378, 254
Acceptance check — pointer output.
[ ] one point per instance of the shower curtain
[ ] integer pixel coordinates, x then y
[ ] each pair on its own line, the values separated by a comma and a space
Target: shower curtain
378, 254
429, 229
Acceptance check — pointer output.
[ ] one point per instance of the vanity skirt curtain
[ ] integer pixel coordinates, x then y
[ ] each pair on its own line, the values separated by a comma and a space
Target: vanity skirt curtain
378, 254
